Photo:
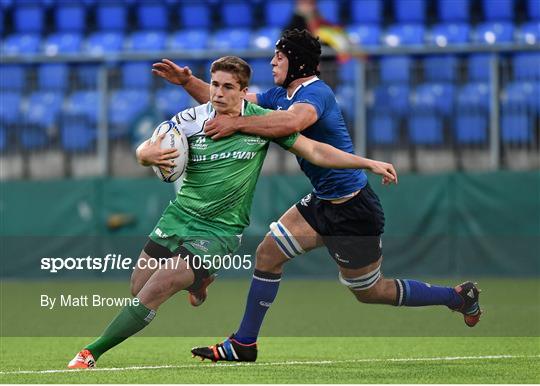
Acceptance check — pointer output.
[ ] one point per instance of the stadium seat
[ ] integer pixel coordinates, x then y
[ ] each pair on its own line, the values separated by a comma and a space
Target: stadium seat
516, 127
425, 128
32, 137
152, 16
192, 39
236, 14
533, 8
435, 96
329, 10
471, 128
261, 72
77, 134
473, 97
136, 74
448, 34
278, 12
62, 43
394, 97
366, 11
441, 68
87, 75
452, 11
478, 67
53, 76
43, 108
521, 96
364, 35
529, 33
230, 38
347, 71
12, 77
28, 18
111, 17
100, 43
124, 108
148, 41
70, 17
194, 14
21, 44
382, 128
498, 10
83, 104
395, 69
410, 11
3, 139
10, 108
265, 38
494, 32
346, 98
404, 34
526, 66
171, 100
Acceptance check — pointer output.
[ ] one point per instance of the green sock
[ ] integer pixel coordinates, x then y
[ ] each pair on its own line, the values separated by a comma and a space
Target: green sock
128, 322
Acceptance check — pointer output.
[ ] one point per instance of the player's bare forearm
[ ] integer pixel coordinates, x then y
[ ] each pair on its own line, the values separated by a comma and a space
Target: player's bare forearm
273, 125
198, 89
149, 154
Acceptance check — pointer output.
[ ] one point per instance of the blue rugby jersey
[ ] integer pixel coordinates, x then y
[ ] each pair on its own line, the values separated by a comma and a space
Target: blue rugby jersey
330, 128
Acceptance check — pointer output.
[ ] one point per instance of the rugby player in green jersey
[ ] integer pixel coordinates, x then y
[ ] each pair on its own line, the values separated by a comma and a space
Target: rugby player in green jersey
212, 207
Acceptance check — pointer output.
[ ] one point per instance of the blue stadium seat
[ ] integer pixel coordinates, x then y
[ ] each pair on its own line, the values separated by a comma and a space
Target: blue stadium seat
278, 12
53, 76
382, 128
10, 108
395, 69
21, 44
494, 32
478, 67
529, 33
366, 11
32, 137
62, 43
425, 128
192, 39
441, 68
44, 107
347, 72
148, 41
329, 10
230, 38
404, 34
236, 14
435, 96
364, 35
346, 98
171, 100
498, 10
410, 11
394, 97
124, 107
262, 72
136, 74
533, 8
12, 77
473, 97
522, 96
100, 43
265, 38
194, 14
111, 17
471, 128
449, 34
3, 139
526, 66
28, 18
70, 17
83, 104
77, 134
152, 16
87, 75
453, 10
516, 127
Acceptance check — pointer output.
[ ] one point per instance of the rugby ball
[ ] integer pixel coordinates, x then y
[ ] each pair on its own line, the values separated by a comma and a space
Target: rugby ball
174, 138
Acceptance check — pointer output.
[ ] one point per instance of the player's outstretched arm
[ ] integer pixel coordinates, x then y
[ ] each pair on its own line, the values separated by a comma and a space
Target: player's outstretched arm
327, 156
149, 154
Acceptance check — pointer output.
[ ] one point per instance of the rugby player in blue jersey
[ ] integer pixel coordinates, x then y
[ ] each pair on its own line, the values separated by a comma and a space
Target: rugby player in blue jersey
342, 213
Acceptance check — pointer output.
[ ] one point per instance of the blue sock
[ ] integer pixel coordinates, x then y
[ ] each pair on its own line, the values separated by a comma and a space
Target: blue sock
263, 291
414, 293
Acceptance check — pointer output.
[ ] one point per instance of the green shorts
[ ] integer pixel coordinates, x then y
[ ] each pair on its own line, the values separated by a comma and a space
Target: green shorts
177, 228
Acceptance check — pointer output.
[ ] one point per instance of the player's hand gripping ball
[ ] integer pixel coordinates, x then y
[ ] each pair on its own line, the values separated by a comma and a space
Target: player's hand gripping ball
176, 139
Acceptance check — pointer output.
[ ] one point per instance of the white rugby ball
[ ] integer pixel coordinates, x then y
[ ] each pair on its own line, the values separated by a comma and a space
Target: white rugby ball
174, 138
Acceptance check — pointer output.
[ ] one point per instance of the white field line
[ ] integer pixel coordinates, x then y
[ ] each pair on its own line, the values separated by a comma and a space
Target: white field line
286, 363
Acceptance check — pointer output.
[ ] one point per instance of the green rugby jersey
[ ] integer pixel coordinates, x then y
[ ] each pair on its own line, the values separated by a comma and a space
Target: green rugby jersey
221, 175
